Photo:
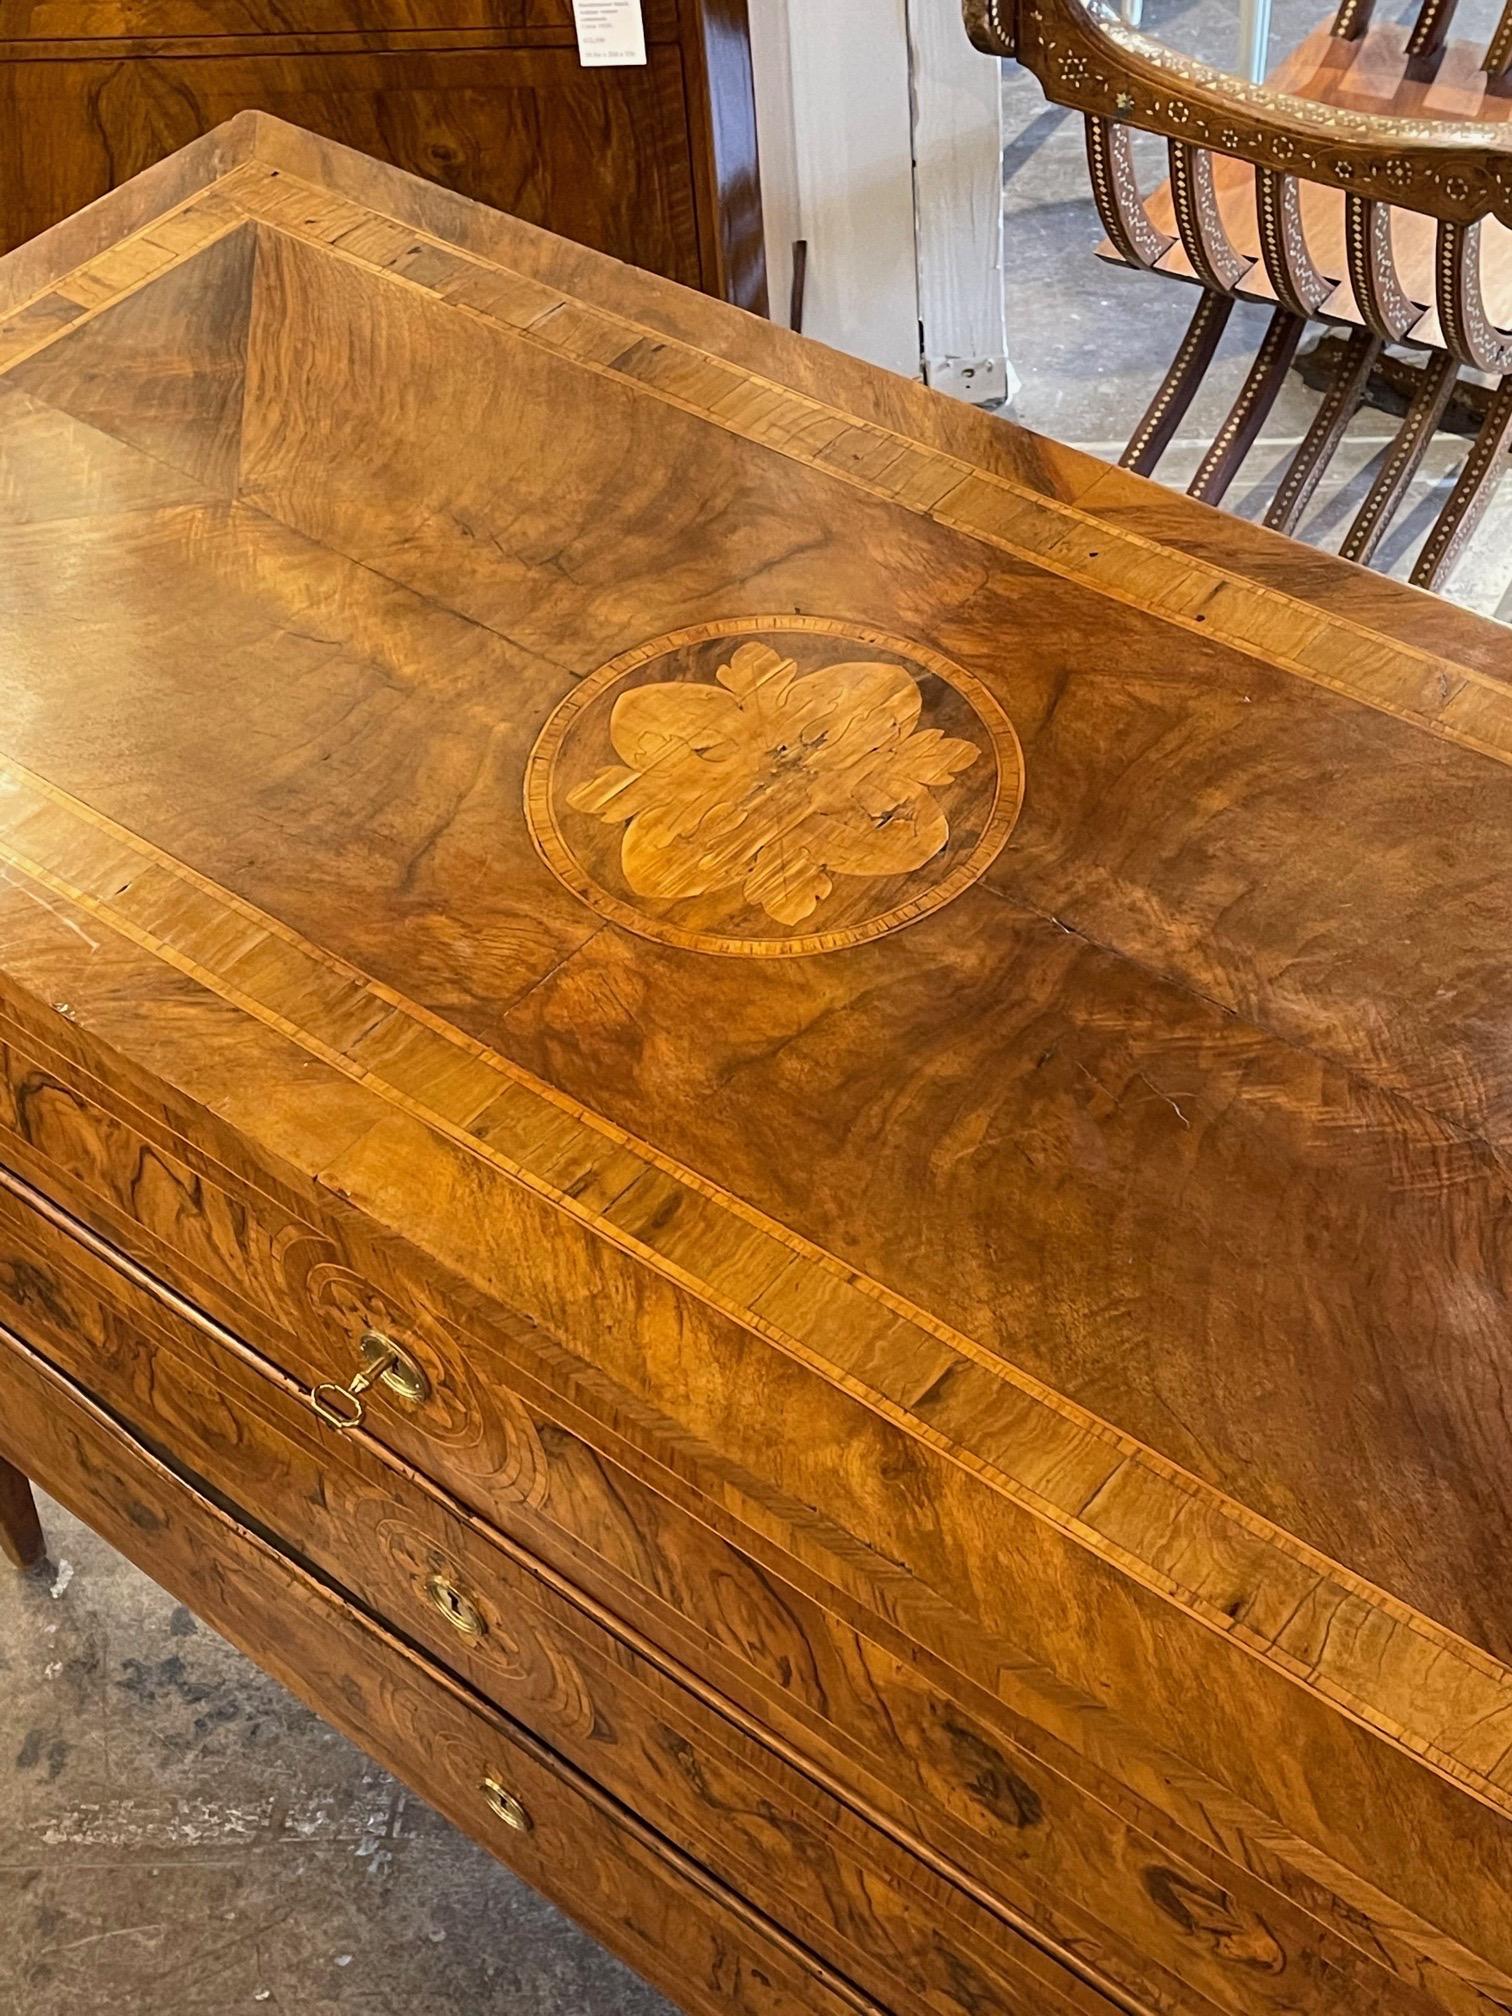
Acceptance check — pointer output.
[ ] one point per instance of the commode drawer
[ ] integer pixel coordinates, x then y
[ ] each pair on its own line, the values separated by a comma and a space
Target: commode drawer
650, 1732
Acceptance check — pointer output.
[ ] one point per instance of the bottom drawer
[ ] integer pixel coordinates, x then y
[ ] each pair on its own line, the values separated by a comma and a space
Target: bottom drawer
654, 1906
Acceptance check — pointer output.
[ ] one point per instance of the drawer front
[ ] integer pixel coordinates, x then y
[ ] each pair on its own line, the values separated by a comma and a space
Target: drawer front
207, 20
629, 1717
1044, 1830
599, 156
686, 1932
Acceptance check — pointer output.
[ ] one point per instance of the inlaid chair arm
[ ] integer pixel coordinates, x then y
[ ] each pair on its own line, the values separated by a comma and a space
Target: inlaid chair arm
1085, 56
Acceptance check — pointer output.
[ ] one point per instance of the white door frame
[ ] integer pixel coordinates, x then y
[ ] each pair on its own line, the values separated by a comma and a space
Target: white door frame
958, 206
881, 146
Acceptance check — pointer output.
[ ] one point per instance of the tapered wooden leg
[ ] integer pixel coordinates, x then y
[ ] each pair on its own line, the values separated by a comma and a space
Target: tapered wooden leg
1247, 415
1407, 450
1484, 466
20, 1529
1338, 407
1168, 408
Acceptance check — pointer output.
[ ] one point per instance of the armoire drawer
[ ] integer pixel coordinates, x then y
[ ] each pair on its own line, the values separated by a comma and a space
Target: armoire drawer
693, 1766
681, 1927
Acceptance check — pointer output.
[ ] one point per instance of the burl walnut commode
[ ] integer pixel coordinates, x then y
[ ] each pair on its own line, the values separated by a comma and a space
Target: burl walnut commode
768, 1125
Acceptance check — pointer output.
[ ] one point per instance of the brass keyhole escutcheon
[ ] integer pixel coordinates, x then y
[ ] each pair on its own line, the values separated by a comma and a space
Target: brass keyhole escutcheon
382, 1359
459, 1610
504, 1806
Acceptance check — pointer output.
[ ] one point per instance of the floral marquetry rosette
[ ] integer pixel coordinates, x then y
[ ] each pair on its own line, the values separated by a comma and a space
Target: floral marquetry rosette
774, 785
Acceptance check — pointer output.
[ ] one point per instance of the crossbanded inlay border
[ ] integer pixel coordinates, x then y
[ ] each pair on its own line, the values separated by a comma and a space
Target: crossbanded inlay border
1344, 656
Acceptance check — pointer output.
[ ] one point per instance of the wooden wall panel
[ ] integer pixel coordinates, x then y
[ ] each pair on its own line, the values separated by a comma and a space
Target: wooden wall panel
598, 155
656, 165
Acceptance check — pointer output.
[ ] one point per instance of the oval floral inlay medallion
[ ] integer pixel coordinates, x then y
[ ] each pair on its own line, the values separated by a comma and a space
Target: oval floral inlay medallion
773, 785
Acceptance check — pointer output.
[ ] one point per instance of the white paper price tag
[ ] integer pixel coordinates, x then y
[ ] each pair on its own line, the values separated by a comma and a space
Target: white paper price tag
609, 32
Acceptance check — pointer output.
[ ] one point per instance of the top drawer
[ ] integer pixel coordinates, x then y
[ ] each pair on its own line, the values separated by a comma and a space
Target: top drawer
121, 20
249, 1257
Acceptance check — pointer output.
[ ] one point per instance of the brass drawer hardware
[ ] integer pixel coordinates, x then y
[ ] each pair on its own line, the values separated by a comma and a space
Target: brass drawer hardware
504, 1806
459, 1610
343, 1406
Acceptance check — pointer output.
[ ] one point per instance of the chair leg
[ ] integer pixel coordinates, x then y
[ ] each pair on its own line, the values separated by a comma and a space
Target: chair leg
1352, 19
20, 1529
1472, 492
1167, 409
1430, 28
1499, 50
1247, 415
1339, 404
1419, 424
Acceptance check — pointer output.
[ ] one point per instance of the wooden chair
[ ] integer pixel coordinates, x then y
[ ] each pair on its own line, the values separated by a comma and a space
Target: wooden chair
1367, 184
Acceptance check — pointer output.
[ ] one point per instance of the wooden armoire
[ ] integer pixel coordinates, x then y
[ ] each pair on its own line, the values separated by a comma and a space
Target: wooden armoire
654, 164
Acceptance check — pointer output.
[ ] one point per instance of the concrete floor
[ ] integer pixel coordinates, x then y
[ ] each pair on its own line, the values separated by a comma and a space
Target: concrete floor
178, 1836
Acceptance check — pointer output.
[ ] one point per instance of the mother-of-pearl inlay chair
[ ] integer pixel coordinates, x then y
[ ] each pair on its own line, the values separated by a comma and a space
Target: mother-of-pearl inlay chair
1367, 185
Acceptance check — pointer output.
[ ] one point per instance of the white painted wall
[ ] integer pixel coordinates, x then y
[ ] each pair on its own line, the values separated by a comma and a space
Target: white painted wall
772, 65
881, 145
832, 94
958, 195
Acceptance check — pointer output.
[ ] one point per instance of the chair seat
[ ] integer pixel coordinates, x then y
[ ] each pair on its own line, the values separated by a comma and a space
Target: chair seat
1372, 74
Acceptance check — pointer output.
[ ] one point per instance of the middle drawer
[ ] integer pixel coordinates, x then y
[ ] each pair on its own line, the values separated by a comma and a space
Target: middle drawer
639, 1725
